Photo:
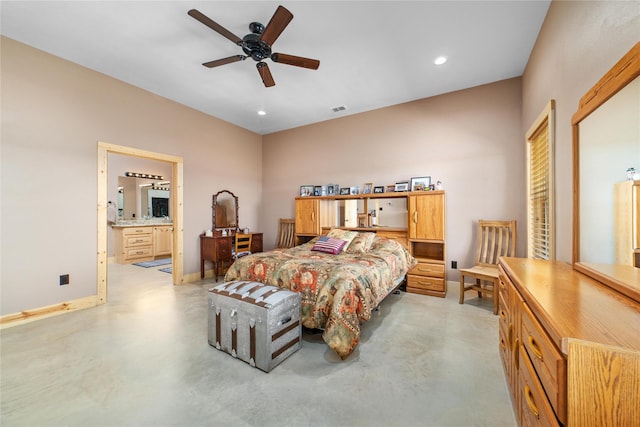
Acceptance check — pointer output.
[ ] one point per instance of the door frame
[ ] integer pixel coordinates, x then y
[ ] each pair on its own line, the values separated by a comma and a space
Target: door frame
104, 149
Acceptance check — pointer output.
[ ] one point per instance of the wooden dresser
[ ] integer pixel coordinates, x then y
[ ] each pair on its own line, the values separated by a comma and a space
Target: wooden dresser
542, 305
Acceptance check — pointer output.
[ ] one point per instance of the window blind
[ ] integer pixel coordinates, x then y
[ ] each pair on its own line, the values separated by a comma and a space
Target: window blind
540, 187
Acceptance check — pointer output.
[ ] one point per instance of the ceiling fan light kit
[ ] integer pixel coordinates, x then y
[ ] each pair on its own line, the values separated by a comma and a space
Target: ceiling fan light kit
257, 45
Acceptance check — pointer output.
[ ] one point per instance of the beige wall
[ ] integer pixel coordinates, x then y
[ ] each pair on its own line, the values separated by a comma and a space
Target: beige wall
53, 114
471, 140
578, 43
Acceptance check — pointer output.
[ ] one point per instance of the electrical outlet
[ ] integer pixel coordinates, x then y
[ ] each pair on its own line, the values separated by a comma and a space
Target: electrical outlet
64, 279
454, 264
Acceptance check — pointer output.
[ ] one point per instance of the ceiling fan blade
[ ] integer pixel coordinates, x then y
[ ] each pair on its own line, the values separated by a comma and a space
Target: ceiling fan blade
297, 61
265, 74
276, 25
223, 61
194, 13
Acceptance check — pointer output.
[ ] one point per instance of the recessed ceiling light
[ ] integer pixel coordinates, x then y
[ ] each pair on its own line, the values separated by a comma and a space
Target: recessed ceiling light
440, 60
262, 113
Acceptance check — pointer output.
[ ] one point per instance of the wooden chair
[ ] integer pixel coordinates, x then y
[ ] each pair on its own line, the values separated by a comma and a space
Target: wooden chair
286, 233
495, 239
242, 246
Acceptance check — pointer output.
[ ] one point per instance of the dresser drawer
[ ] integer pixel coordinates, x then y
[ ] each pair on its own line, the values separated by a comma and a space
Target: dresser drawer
547, 361
503, 313
138, 240
425, 283
141, 252
535, 409
505, 353
427, 269
503, 287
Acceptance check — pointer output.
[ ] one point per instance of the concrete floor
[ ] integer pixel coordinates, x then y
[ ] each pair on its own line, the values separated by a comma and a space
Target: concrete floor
143, 360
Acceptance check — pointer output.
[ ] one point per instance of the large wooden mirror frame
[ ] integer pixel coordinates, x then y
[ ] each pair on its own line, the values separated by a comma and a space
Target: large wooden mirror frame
224, 209
625, 279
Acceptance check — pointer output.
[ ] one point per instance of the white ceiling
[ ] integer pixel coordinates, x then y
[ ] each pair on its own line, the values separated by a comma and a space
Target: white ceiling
372, 53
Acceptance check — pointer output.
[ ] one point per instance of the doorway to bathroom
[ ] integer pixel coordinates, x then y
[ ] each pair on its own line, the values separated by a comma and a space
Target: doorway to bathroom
175, 206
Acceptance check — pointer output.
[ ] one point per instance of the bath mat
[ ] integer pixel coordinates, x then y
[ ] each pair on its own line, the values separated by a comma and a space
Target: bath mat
155, 263
166, 270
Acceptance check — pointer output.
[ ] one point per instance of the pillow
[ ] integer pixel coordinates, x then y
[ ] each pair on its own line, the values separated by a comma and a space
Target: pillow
345, 235
361, 243
328, 245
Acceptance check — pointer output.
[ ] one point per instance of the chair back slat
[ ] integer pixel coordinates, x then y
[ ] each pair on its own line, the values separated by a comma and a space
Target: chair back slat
495, 239
243, 243
286, 233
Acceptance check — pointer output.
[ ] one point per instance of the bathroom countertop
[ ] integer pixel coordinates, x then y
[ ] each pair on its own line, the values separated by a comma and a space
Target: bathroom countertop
141, 223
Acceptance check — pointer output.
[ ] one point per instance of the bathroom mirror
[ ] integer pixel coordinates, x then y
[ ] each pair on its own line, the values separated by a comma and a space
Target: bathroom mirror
606, 141
224, 210
140, 198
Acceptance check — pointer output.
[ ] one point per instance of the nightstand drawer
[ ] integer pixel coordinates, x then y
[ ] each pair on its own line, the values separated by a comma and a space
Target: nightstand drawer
547, 361
425, 283
427, 269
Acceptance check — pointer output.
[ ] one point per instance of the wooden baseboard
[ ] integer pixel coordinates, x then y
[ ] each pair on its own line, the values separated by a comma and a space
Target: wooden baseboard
49, 311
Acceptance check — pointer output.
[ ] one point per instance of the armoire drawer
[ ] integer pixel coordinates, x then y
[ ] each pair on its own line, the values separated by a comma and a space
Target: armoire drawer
547, 361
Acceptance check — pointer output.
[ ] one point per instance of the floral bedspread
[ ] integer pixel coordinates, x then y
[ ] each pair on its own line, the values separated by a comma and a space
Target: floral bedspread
338, 291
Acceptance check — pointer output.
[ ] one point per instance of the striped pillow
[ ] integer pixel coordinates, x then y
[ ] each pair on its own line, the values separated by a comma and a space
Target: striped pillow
328, 245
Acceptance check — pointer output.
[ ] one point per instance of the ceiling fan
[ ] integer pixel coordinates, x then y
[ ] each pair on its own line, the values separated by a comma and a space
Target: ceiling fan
257, 44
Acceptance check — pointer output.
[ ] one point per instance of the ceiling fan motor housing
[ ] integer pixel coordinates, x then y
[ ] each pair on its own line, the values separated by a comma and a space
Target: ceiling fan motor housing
255, 48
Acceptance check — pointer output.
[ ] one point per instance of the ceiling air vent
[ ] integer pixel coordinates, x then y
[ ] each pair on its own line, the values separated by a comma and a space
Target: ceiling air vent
338, 108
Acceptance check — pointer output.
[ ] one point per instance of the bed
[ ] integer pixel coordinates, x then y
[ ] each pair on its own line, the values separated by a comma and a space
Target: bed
340, 288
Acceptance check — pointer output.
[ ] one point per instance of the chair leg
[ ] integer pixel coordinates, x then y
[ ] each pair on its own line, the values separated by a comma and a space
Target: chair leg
461, 300
479, 284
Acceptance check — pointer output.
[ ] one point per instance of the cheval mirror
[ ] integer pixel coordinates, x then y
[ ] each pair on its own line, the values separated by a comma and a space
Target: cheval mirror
224, 210
606, 141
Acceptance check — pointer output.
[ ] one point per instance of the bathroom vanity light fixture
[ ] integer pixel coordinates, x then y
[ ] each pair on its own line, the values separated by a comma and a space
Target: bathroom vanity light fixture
262, 113
143, 175
440, 60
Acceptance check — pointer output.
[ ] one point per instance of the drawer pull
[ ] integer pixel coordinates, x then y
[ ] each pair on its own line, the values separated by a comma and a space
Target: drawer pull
426, 270
530, 403
415, 217
503, 345
510, 333
503, 315
534, 347
516, 359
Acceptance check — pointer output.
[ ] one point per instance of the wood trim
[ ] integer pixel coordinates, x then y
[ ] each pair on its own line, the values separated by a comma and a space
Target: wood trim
621, 74
27, 316
395, 195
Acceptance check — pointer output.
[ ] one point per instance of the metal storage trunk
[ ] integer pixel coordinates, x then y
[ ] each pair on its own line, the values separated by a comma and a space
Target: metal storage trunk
257, 323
